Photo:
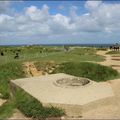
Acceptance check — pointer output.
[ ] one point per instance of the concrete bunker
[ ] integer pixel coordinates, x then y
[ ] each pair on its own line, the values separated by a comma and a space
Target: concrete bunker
75, 95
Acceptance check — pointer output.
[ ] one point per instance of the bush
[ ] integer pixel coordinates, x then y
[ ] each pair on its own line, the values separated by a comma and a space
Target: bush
89, 70
31, 107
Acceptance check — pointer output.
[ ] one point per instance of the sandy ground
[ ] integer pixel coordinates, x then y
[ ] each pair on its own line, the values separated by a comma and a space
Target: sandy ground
109, 60
108, 111
2, 101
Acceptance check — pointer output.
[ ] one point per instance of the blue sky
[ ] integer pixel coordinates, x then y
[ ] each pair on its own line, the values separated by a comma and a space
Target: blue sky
54, 22
54, 6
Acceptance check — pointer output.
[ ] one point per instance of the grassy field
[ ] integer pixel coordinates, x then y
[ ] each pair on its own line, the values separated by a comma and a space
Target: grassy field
57, 54
11, 69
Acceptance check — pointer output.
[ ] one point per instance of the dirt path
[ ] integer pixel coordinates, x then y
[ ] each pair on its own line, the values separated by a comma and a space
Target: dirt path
113, 61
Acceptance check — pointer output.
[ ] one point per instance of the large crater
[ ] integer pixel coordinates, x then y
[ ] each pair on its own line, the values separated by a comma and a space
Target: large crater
72, 82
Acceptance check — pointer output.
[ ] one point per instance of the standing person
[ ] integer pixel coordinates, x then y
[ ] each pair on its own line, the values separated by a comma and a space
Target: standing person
2, 54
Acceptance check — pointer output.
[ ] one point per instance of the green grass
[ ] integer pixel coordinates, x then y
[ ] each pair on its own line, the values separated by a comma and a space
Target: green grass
52, 53
7, 109
92, 71
113, 52
103, 49
9, 71
31, 107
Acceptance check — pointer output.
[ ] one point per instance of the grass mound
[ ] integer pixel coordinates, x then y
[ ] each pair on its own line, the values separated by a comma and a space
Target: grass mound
31, 107
89, 70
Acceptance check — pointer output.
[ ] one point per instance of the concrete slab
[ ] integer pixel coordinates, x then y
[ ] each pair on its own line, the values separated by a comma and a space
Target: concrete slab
71, 99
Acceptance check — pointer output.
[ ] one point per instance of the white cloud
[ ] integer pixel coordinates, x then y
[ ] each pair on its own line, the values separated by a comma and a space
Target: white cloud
34, 23
37, 14
73, 13
4, 18
92, 5
4, 6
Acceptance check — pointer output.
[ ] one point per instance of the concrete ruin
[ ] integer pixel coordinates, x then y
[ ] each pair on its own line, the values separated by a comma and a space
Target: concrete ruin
63, 90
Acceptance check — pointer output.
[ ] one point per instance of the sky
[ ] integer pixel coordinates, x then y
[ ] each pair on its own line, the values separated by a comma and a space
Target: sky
59, 22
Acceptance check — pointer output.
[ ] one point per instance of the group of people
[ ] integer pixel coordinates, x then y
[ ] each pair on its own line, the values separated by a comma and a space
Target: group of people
115, 47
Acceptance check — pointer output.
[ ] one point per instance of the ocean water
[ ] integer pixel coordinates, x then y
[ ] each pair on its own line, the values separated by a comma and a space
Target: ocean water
81, 45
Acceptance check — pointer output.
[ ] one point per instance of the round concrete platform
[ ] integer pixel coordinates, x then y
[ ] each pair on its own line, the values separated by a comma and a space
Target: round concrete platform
78, 99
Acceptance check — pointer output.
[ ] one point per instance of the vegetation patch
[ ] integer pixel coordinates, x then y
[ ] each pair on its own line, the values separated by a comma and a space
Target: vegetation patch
9, 71
31, 107
89, 70
113, 52
7, 109
83, 51
102, 48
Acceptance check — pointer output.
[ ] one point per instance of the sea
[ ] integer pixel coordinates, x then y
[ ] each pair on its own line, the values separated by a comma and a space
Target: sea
80, 45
